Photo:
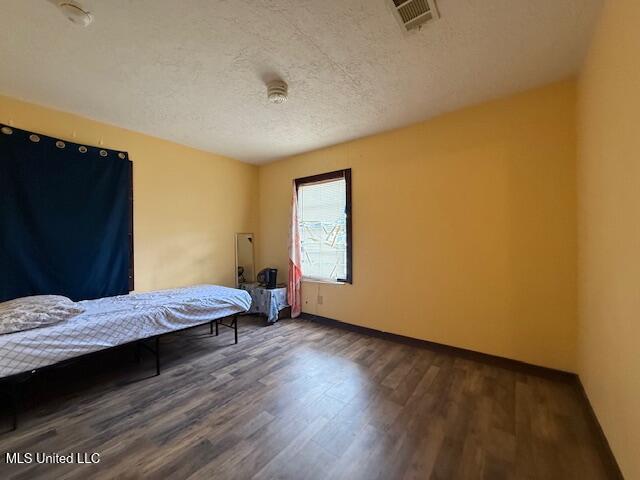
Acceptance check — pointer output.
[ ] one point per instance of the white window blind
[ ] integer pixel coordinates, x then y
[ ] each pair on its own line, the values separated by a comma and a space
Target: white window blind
323, 234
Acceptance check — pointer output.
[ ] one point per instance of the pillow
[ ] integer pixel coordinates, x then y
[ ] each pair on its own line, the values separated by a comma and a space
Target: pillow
34, 312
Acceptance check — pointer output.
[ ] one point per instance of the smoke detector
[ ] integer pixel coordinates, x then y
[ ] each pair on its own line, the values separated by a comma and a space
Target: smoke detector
277, 91
75, 13
412, 14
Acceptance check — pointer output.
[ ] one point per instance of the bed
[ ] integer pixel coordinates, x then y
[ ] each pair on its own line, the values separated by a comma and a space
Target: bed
112, 321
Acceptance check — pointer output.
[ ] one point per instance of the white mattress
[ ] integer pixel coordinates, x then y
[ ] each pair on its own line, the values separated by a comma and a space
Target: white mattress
112, 321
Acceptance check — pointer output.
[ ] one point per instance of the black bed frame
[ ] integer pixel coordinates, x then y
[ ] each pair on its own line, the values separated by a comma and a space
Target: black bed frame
14, 381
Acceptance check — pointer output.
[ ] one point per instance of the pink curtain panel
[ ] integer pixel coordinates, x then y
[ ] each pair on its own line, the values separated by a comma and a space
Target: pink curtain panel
295, 259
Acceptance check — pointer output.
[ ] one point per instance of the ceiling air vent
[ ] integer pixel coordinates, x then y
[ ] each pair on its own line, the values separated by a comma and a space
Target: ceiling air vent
414, 13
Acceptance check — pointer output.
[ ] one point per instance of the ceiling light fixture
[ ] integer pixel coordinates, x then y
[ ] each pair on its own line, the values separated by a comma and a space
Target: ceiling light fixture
75, 13
277, 91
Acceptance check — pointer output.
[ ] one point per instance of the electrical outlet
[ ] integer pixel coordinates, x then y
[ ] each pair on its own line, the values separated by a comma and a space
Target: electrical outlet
319, 299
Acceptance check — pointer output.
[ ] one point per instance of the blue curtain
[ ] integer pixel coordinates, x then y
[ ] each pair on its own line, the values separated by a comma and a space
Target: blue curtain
65, 218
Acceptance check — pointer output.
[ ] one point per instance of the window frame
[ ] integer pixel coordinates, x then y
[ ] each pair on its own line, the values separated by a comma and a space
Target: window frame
336, 175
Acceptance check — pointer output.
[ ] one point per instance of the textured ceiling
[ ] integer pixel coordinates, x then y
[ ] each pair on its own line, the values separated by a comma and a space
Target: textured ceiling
194, 71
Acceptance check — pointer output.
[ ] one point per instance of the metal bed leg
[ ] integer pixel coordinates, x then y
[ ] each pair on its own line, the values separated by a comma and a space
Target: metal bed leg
13, 398
137, 353
211, 327
216, 328
235, 327
157, 356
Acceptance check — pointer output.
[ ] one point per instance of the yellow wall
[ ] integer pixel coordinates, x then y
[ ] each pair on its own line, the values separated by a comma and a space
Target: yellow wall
609, 229
464, 228
188, 204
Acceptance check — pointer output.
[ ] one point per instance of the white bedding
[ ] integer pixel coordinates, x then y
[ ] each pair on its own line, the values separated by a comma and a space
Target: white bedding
112, 321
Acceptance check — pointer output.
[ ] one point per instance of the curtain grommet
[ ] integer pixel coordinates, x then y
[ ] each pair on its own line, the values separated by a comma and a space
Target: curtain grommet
60, 144
6, 130
34, 138
121, 155
82, 149
103, 153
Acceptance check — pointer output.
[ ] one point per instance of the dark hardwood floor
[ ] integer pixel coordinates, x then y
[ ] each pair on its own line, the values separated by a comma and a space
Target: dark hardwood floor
300, 400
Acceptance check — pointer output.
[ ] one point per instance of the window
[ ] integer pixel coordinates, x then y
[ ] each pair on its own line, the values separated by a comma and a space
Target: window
324, 222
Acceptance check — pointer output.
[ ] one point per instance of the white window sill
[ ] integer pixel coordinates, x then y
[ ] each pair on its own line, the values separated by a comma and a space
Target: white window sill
317, 280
